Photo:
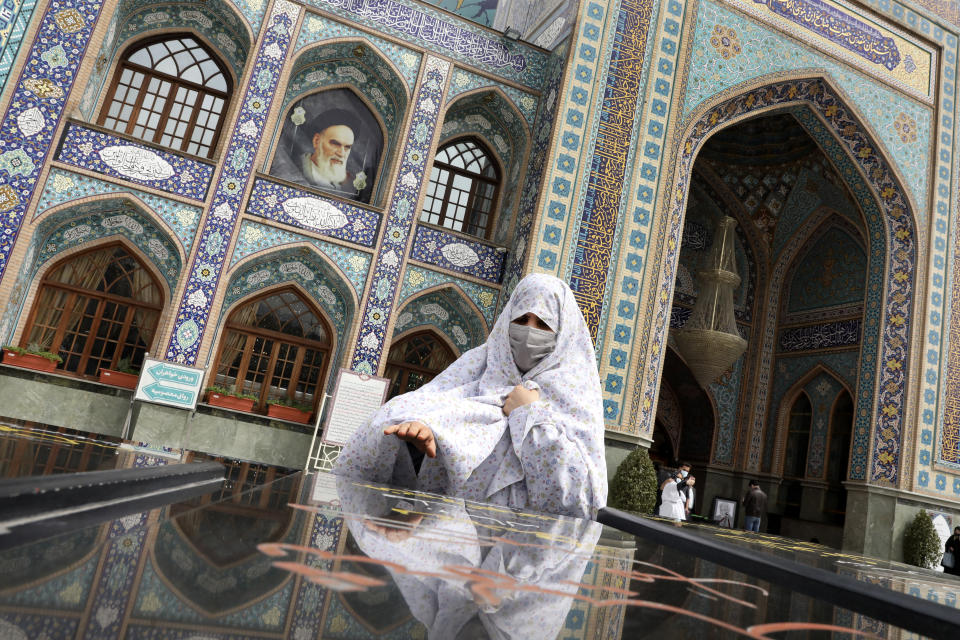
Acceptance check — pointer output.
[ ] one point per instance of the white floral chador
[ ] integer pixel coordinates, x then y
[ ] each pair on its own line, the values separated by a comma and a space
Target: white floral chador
546, 456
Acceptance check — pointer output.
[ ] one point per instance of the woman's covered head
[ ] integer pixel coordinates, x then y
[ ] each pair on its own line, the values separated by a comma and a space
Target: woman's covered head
540, 321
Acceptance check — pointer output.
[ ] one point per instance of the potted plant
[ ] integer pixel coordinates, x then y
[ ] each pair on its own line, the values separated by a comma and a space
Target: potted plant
33, 357
123, 376
230, 398
284, 409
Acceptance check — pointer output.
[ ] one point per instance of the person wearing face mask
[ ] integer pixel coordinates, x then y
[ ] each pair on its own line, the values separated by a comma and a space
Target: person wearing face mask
517, 421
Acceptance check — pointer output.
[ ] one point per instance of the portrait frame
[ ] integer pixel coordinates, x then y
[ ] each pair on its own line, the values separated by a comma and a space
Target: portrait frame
310, 115
723, 512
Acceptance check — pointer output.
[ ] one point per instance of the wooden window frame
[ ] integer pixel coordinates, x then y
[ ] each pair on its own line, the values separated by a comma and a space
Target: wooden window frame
407, 369
278, 338
475, 179
73, 291
807, 431
176, 83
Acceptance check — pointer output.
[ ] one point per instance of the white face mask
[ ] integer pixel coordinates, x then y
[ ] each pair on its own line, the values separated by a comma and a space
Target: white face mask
530, 345
683, 473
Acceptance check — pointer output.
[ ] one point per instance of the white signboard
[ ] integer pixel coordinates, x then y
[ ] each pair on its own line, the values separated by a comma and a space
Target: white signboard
174, 385
325, 489
356, 398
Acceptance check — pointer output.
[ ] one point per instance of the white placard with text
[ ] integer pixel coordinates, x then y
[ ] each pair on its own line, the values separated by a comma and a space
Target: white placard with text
356, 398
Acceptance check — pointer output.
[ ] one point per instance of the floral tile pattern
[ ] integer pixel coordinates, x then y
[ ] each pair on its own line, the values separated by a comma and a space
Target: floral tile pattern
417, 279
106, 218
64, 186
765, 52
547, 110
207, 264
112, 156
456, 253
726, 394
314, 212
318, 28
386, 275
37, 106
463, 81
448, 36
446, 312
254, 238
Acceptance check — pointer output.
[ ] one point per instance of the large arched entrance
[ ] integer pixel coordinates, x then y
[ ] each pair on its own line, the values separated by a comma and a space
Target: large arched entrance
827, 254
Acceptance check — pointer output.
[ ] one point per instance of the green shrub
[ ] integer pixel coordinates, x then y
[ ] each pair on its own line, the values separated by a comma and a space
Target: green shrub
285, 402
232, 391
921, 545
634, 485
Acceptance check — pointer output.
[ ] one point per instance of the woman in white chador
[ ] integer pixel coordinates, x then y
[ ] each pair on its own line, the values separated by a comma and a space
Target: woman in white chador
517, 421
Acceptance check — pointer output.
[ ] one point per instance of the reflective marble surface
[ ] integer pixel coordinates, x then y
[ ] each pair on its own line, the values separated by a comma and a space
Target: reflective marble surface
318, 556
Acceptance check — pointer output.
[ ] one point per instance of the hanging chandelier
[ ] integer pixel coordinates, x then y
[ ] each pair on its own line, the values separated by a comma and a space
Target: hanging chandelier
709, 342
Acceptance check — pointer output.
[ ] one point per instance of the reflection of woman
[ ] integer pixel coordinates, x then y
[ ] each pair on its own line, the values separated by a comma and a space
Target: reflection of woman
953, 546
488, 437
460, 564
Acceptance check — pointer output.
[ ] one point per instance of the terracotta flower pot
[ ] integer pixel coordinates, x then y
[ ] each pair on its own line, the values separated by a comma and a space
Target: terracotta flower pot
29, 361
119, 378
230, 402
288, 413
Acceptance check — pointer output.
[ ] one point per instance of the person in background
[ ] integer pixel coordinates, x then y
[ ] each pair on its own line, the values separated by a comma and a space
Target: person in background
686, 488
953, 546
754, 507
674, 504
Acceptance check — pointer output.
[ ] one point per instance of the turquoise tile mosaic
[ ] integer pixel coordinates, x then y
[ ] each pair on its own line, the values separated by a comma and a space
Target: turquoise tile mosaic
257, 238
318, 28
444, 310
789, 370
416, 279
65, 186
36, 107
398, 223
11, 37
901, 124
207, 265
464, 81
446, 35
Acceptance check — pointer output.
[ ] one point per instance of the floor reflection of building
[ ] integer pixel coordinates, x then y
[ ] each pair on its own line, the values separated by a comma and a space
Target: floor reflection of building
42, 450
195, 570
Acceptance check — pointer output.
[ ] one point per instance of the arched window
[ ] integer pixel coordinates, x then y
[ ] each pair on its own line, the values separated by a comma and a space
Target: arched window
463, 188
798, 438
95, 309
415, 361
171, 91
277, 347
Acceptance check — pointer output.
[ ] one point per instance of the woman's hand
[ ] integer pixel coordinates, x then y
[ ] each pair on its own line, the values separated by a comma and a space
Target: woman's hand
519, 397
417, 434
406, 524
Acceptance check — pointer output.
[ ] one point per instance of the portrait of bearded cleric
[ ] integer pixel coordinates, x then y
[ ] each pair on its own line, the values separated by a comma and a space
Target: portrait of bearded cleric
332, 142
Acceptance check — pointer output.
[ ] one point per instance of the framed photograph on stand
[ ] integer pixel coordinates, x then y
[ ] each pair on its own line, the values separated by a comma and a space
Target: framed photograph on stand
724, 512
